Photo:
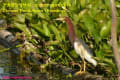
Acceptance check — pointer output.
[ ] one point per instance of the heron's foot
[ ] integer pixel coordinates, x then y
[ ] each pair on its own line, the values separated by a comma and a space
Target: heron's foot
82, 70
79, 72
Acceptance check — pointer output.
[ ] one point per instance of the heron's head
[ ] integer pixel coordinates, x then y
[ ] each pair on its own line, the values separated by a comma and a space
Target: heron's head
66, 19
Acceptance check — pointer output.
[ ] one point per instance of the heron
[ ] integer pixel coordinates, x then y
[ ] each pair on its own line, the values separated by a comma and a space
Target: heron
79, 45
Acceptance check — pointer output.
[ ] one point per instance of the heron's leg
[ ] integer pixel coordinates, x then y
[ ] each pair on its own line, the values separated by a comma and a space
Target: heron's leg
80, 71
78, 64
84, 65
80, 67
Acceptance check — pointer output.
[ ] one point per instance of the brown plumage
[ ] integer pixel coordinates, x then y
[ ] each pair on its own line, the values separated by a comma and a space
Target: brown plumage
71, 31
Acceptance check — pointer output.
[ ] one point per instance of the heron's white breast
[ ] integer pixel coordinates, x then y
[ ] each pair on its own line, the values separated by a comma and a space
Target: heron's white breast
79, 48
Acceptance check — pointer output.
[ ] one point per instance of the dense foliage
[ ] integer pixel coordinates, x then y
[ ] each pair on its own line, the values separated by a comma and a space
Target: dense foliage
43, 35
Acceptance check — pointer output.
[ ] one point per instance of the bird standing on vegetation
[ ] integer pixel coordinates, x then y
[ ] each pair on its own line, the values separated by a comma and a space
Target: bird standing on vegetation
80, 47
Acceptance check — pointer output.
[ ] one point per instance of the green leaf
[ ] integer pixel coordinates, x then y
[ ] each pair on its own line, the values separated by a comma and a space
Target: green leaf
46, 29
99, 54
105, 30
38, 28
27, 1
43, 15
20, 18
89, 23
22, 27
56, 32
73, 54
82, 3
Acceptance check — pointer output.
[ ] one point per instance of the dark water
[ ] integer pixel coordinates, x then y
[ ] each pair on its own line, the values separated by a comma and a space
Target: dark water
6, 66
9, 68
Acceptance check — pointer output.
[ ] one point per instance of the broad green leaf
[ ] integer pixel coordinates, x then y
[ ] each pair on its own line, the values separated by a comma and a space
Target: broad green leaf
38, 28
27, 1
99, 54
55, 31
22, 27
55, 2
43, 15
105, 30
20, 18
73, 54
46, 29
89, 23
82, 3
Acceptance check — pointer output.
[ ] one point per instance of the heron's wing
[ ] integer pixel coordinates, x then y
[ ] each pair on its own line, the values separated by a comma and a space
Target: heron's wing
85, 46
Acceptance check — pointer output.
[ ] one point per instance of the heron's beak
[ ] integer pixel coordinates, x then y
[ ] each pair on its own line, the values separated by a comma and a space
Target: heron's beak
59, 19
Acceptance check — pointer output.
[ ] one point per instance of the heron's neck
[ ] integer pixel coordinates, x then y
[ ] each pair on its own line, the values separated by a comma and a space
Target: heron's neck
71, 31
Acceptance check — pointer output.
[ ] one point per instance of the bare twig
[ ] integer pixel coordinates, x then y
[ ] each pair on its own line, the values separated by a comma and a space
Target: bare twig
114, 35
